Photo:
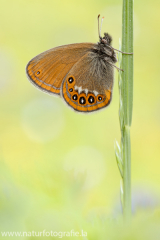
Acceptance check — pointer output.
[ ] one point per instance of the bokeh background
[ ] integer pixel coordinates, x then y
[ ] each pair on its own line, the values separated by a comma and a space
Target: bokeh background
57, 168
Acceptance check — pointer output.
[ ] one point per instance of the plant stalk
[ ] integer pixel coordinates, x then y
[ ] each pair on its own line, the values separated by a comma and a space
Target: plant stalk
127, 102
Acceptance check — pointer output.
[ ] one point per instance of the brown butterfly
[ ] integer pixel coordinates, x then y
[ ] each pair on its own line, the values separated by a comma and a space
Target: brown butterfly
81, 73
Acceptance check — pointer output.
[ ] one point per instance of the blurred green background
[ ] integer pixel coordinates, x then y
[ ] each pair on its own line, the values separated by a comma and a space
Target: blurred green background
57, 168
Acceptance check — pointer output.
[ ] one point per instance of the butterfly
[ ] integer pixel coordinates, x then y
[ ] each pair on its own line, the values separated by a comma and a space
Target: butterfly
81, 73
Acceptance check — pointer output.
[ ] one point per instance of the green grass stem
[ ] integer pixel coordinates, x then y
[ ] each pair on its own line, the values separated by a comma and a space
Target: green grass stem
126, 103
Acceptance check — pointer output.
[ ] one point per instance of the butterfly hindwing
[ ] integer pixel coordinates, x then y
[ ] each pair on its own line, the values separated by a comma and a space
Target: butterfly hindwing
48, 69
88, 85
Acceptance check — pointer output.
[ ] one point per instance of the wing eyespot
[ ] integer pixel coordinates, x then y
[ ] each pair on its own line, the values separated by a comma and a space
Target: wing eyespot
71, 90
100, 98
75, 97
70, 80
91, 99
38, 73
82, 100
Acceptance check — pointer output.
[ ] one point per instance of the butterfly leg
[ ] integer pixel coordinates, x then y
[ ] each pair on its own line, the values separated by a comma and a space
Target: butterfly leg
119, 50
122, 52
115, 66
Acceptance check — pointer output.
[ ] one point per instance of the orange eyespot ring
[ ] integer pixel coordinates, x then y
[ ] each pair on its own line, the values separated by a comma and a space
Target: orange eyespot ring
91, 99
70, 80
75, 97
100, 98
70, 90
82, 99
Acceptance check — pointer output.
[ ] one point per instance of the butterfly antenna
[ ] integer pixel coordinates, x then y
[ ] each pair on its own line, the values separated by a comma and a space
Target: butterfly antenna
98, 27
101, 24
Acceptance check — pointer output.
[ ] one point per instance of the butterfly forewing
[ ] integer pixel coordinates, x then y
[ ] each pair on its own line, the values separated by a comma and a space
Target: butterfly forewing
48, 69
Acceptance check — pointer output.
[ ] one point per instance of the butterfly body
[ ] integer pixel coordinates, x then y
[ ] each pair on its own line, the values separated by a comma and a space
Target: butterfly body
82, 73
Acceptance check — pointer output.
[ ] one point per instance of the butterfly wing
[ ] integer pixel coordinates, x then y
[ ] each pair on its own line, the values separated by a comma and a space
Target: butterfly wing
47, 70
88, 85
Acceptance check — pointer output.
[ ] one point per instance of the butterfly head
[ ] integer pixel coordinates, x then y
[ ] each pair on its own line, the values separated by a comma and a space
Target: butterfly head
105, 48
107, 39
